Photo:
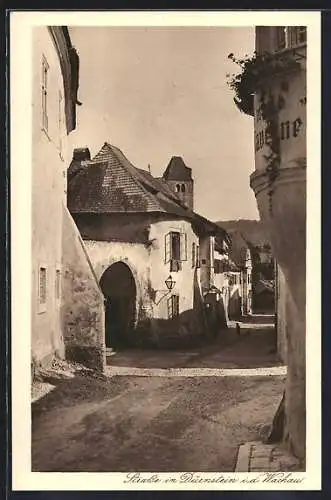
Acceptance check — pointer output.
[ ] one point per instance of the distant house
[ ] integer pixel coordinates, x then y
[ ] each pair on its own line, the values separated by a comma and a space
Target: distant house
153, 256
249, 241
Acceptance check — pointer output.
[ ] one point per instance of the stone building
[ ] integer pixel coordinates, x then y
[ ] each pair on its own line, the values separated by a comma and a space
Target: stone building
179, 178
59, 260
153, 256
279, 183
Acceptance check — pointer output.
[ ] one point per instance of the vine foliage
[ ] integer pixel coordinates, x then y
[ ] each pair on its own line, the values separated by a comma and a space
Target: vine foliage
254, 74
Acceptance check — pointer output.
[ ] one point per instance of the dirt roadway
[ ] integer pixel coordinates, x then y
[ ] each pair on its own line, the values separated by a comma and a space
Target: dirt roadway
161, 424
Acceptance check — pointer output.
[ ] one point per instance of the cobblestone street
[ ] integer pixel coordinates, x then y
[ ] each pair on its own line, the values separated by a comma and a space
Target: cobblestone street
161, 411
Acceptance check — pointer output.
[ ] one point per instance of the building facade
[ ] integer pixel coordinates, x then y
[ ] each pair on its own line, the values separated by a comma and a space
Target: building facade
279, 183
54, 97
152, 255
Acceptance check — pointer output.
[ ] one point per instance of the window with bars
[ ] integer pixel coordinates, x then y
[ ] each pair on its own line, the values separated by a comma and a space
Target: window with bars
57, 284
42, 288
175, 249
44, 93
173, 306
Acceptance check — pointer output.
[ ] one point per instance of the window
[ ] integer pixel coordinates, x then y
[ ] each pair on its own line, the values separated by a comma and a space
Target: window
44, 94
177, 188
290, 36
194, 261
298, 35
42, 288
183, 188
57, 284
219, 266
175, 249
173, 306
281, 38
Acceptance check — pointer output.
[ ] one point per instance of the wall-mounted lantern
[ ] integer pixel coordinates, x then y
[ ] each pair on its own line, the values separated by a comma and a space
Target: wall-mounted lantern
170, 282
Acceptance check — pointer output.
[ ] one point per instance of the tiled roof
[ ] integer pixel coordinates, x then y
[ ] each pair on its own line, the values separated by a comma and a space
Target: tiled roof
177, 170
109, 183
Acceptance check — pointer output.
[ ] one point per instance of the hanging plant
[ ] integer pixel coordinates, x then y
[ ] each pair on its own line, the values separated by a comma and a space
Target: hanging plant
253, 72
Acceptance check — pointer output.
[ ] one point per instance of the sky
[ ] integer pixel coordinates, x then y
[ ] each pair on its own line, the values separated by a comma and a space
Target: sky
162, 92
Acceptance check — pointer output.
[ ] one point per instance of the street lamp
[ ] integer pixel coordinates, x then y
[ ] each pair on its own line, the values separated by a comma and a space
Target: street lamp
170, 282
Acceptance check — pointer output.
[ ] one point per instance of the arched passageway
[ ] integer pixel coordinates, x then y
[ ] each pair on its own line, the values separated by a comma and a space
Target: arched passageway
119, 288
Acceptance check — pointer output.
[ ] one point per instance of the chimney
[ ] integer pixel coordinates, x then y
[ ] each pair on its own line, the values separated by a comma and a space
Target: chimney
79, 158
81, 154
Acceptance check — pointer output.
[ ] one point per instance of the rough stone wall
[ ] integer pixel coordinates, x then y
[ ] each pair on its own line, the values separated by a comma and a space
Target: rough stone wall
82, 302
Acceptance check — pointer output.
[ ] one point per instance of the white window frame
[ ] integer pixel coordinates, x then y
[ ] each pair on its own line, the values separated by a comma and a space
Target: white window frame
42, 306
168, 246
44, 94
291, 37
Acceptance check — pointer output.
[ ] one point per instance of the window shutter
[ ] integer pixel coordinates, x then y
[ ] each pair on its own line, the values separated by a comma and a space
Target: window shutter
193, 255
167, 248
176, 305
183, 246
169, 307
198, 255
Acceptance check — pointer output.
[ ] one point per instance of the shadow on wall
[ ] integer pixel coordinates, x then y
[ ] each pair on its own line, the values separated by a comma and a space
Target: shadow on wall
234, 306
264, 303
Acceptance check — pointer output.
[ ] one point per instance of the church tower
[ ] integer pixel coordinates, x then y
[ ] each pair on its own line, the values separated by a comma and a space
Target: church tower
179, 178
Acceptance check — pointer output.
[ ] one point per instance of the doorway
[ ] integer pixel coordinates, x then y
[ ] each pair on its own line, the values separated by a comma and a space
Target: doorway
119, 288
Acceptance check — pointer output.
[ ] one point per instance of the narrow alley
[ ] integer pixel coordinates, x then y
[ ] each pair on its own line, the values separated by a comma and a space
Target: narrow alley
162, 411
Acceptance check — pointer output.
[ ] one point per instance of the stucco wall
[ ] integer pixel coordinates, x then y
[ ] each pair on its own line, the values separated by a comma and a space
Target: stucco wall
281, 314
190, 322
284, 216
82, 301
48, 193
146, 261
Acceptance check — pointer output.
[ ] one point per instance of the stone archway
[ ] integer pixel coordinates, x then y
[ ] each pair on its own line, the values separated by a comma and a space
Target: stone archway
119, 288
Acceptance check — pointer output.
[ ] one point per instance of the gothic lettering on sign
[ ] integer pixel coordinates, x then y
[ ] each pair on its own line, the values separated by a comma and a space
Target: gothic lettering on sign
287, 130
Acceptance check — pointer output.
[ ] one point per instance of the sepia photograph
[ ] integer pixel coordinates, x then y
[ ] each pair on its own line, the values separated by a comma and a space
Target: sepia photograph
168, 215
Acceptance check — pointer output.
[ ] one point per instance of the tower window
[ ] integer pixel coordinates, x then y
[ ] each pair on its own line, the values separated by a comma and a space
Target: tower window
177, 188
183, 188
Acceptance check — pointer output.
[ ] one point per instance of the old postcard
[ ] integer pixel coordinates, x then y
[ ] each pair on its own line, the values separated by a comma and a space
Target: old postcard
165, 174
